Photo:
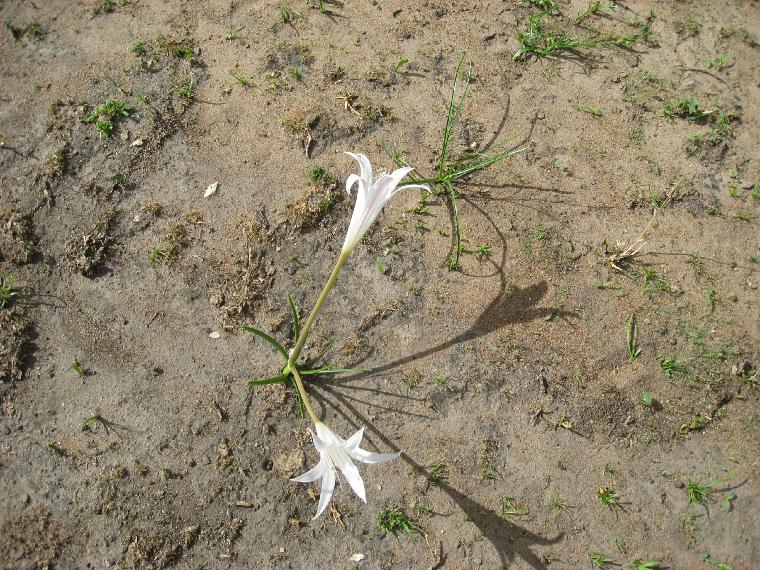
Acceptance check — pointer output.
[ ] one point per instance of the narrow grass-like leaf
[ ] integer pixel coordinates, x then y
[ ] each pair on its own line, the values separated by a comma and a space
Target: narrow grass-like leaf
294, 316
453, 115
271, 380
269, 339
483, 164
332, 370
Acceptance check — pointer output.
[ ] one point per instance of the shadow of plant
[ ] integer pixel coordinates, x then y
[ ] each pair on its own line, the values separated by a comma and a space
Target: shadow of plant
509, 540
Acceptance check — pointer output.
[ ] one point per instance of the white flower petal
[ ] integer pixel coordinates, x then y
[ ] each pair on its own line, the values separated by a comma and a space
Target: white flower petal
398, 174
351, 180
368, 457
326, 435
328, 485
353, 441
371, 197
407, 186
314, 473
366, 168
350, 472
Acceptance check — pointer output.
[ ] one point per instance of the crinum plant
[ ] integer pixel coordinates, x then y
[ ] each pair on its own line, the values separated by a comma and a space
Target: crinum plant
372, 194
371, 197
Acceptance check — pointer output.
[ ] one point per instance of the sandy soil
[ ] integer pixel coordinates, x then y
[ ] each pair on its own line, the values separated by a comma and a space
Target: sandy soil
507, 382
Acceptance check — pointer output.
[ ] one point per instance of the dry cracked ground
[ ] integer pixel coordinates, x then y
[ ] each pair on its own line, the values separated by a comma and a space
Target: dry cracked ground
573, 383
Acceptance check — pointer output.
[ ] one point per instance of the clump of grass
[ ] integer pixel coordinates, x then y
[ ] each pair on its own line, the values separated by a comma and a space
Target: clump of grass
672, 367
436, 473
645, 565
104, 7
105, 115
452, 170
80, 370
138, 48
394, 520
7, 292
591, 9
510, 509
242, 80
609, 498
160, 253
543, 40
91, 422
599, 560
319, 174
687, 108
538, 40
699, 492
32, 29
181, 49
590, 109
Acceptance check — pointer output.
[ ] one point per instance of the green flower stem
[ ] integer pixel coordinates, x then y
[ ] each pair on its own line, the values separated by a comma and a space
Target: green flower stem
296, 352
304, 396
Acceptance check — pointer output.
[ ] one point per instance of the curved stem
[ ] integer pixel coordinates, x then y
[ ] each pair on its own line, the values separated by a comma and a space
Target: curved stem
304, 396
296, 352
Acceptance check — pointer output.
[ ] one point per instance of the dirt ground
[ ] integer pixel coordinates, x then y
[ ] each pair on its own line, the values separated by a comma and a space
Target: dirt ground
557, 401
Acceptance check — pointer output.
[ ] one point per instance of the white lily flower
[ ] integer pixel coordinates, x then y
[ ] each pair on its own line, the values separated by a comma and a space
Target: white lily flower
371, 197
334, 451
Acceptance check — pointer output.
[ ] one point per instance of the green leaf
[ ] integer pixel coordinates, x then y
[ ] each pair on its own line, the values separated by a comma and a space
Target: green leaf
269, 339
271, 380
294, 316
330, 369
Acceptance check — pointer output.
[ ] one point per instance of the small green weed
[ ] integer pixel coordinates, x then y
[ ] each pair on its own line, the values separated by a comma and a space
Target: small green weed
687, 108
672, 368
33, 29
104, 7
181, 49
235, 34
91, 423
160, 253
720, 63
242, 80
400, 63
698, 492
7, 292
631, 337
609, 498
138, 48
706, 558
510, 509
394, 520
106, 113
436, 473
645, 565
591, 9
599, 560
591, 110
187, 89
78, 368
559, 504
